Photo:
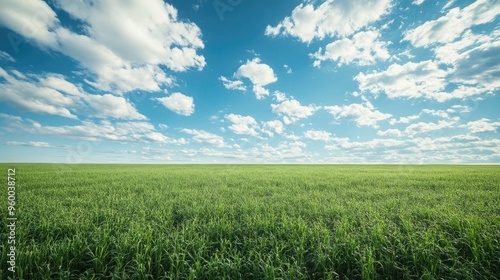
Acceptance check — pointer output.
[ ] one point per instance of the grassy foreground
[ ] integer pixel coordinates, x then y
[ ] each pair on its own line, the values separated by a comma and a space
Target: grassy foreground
254, 222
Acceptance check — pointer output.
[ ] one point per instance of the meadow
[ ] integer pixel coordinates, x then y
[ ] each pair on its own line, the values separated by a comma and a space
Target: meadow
254, 222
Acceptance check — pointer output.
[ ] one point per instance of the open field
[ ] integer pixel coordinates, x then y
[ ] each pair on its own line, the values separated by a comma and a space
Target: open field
254, 222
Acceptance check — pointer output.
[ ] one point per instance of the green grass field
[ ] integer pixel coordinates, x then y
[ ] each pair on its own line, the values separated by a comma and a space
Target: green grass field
254, 222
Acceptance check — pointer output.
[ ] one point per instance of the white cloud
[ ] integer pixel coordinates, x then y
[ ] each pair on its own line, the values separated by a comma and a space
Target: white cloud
52, 94
7, 57
390, 132
196, 155
102, 106
457, 148
234, 85
108, 105
178, 103
18, 74
318, 135
243, 125
404, 119
260, 74
32, 19
475, 61
436, 113
288, 69
308, 22
365, 145
459, 109
163, 126
28, 96
362, 114
122, 44
292, 137
122, 131
423, 127
411, 80
418, 2
260, 91
271, 127
11, 118
284, 151
482, 125
201, 136
450, 26
406, 53
363, 49
113, 73
291, 109
29, 144
447, 5
446, 143
470, 64
144, 32
451, 52
280, 96
156, 137
58, 83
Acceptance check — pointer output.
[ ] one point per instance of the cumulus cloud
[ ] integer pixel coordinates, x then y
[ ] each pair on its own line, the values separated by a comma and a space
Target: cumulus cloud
482, 125
280, 96
411, 80
234, 85
290, 109
122, 45
450, 26
436, 113
390, 132
271, 127
243, 125
330, 18
27, 96
422, 127
122, 131
144, 32
260, 91
373, 144
260, 74
178, 103
110, 72
108, 105
471, 69
363, 49
284, 151
456, 143
407, 119
361, 114
32, 19
52, 94
475, 62
318, 135
201, 136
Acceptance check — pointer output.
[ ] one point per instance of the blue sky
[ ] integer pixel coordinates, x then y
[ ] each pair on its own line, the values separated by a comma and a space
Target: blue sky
239, 81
